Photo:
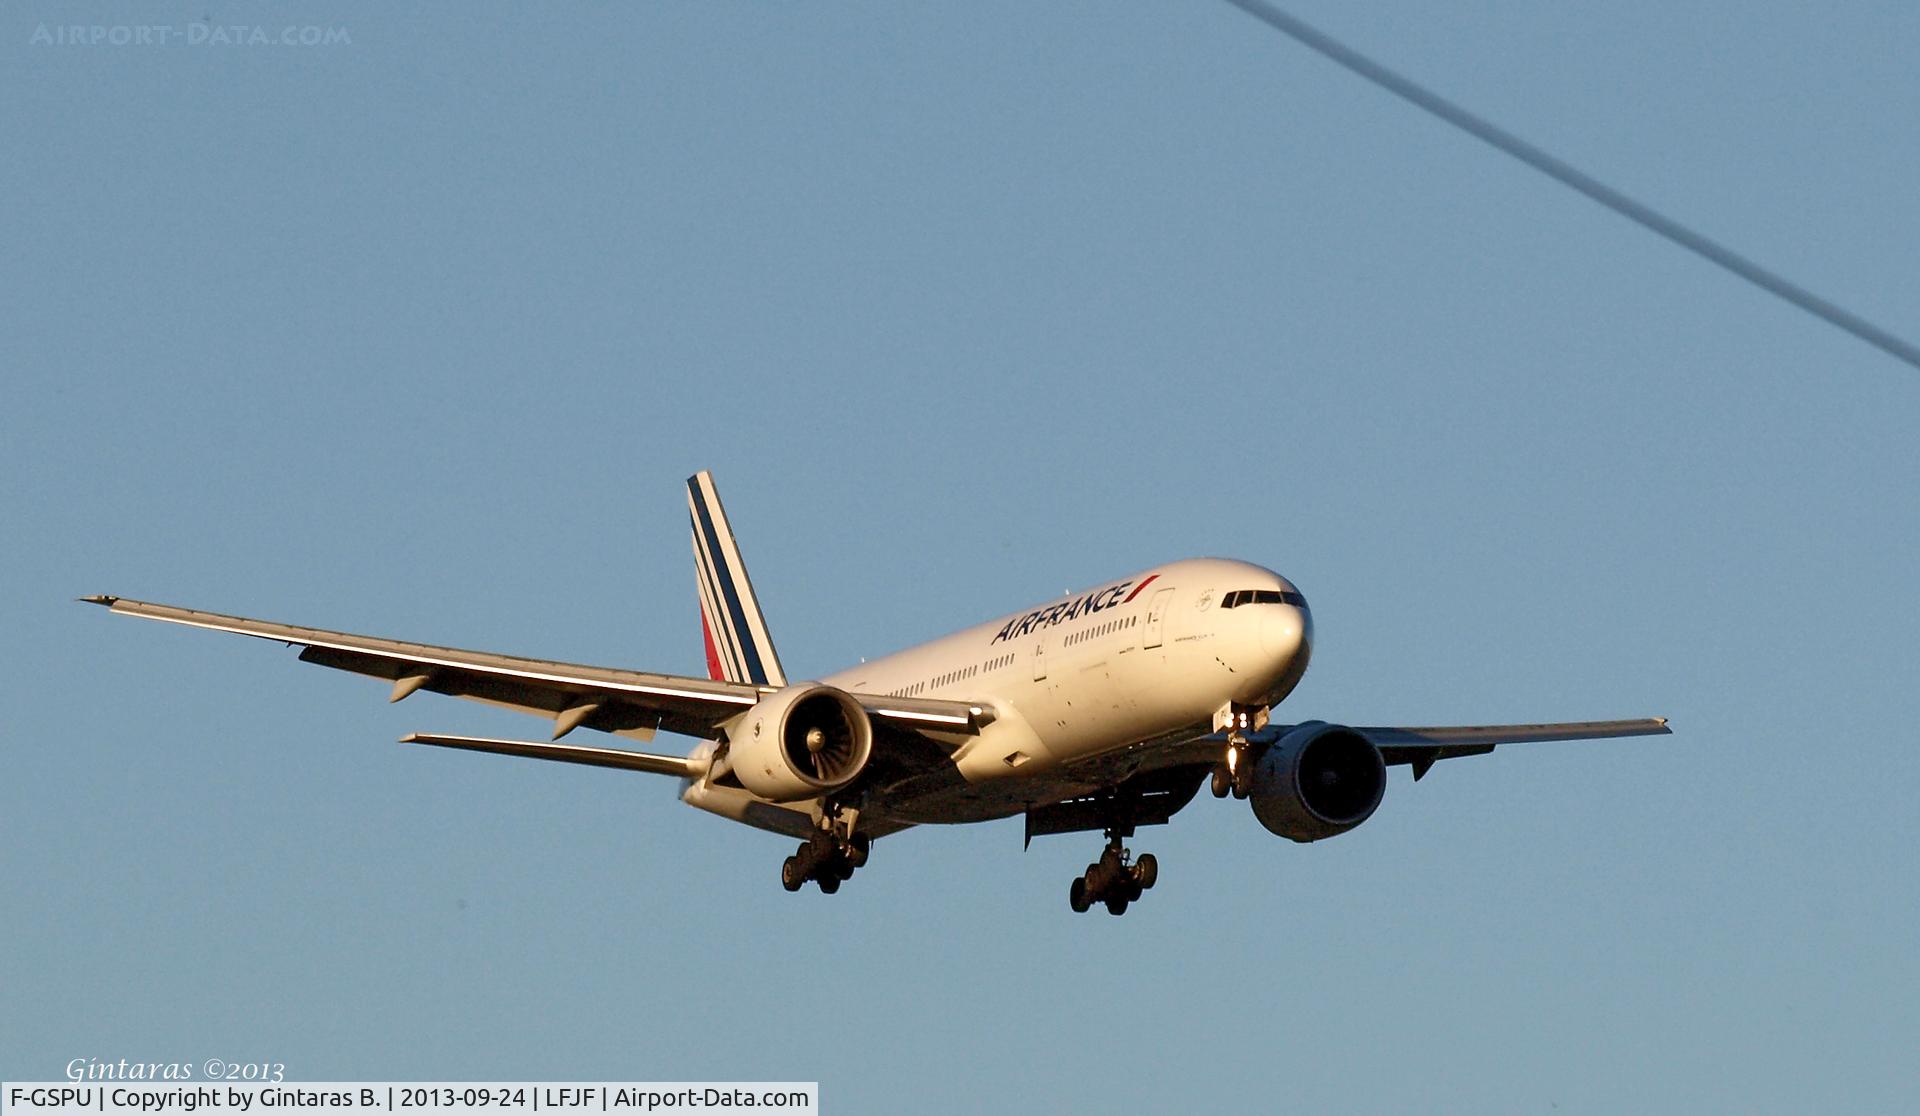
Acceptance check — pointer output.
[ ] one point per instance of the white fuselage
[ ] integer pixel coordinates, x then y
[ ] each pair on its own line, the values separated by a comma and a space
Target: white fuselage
1163, 653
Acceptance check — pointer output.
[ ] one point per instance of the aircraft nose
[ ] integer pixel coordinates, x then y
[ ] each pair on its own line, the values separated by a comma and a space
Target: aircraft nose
1283, 632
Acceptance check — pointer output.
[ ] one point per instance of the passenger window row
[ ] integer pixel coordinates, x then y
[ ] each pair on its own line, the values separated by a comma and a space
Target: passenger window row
1099, 630
951, 677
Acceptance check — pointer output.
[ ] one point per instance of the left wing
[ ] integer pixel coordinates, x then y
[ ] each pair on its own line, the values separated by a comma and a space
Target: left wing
1419, 747
1423, 747
1159, 777
627, 702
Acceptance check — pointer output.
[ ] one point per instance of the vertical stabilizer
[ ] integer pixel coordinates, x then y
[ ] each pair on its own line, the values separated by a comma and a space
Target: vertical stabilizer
738, 646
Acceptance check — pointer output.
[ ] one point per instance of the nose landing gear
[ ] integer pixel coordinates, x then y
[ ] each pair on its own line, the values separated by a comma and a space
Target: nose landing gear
1235, 774
1113, 879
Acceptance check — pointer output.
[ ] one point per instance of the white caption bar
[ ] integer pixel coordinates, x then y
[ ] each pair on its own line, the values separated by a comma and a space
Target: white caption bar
410, 1098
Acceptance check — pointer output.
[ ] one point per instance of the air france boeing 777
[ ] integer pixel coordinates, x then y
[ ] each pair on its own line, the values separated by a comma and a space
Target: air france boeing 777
1104, 710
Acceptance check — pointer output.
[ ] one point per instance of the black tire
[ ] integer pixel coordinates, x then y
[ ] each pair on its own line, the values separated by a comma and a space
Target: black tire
829, 884
1077, 896
857, 851
790, 877
1145, 871
1117, 905
843, 867
1240, 788
1222, 783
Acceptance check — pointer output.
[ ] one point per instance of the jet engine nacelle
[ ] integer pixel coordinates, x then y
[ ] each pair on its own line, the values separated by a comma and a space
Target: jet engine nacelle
801, 742
1319, 780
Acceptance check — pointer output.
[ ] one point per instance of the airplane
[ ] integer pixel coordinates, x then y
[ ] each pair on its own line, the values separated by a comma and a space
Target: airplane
1101, 711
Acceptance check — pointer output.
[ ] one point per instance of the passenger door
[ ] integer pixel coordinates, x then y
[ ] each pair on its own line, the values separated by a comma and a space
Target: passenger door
1156, 618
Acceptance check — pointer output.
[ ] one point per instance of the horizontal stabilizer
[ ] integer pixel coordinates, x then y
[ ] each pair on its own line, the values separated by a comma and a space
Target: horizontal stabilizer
566, 753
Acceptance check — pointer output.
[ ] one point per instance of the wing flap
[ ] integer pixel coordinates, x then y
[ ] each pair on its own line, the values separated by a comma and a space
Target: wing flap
625, 715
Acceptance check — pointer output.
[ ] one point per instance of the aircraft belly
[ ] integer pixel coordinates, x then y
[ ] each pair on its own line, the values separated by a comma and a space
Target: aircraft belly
1001, 798
791, 819
986, 782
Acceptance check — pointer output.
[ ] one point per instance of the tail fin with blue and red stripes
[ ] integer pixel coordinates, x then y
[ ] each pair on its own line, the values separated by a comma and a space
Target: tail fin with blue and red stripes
738, 646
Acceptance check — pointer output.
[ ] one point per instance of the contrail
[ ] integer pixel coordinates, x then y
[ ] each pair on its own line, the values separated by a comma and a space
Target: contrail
1570, 175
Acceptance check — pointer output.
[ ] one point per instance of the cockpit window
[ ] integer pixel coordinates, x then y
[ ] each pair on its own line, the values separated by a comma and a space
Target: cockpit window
1262, 596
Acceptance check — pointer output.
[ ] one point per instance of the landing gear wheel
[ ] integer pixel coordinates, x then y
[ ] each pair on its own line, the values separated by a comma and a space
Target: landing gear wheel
1236, 773
1116, 879
830, 854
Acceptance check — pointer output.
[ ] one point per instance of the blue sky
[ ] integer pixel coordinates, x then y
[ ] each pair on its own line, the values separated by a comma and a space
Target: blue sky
418, 335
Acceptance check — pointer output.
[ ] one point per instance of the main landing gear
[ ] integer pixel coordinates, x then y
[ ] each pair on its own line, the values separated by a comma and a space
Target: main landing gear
1112, 879
828, 857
